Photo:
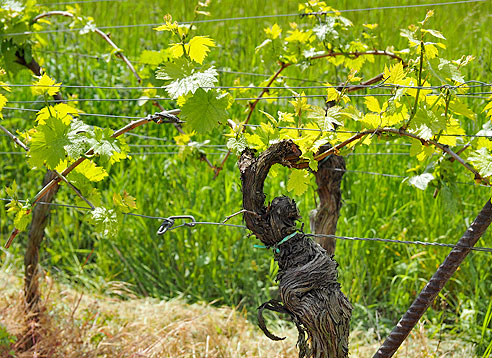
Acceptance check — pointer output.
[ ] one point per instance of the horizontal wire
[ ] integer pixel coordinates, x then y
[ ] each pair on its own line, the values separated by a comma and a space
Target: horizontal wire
77, 2
141, 136
248, 17
51, 204
477, 95
466, 84
404, 242
167, 153
102, 58
176, 145
247, 125
349, 238
356, 132
78, 114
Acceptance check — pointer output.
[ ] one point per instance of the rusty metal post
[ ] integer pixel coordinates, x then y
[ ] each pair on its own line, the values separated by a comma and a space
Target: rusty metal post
436, 283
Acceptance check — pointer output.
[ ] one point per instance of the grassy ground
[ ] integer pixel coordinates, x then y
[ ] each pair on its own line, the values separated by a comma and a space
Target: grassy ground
216, 264
80, 324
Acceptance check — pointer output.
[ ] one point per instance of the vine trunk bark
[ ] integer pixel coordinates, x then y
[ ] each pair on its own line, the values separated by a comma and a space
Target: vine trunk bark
307, 276
40, 217
323, 219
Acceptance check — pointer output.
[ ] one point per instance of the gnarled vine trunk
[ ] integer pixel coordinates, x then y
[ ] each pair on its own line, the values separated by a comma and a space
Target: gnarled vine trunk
40, 216
323, 219
307, 276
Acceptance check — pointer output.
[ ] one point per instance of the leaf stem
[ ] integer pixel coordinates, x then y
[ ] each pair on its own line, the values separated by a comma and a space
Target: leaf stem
419, 84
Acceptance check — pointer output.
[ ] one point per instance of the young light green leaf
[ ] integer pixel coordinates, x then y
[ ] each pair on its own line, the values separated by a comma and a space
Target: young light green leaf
426, 123
104, 144
482, 160
125, 202
237, 145
326, 118
91, 171
458, 107
434, 33
449, 70
45, 85
189, 80
178, 69
79, 139
3, 102
105, 221
420, 181
298, 182
372, 104
198, 48
22, 219
204, 110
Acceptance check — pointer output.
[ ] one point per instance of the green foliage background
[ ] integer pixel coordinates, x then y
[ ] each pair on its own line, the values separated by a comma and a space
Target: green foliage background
220, 264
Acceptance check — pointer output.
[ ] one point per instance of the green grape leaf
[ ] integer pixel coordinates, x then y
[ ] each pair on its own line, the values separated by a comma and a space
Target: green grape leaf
91, 171
104, 144
185, 78
482, 160
198, 48
80, 139
326, 118
3, 102
420, 181
426, 123
153, 58
22, 219
105, 221
449, 70
178, 69
48, 142
45, 85
125, 202
298, 182
458, 107
204, 110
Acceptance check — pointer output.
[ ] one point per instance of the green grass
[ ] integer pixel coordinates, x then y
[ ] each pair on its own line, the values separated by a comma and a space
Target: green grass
209, 263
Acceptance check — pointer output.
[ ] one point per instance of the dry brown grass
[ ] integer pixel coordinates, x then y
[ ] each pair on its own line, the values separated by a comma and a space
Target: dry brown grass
75, 324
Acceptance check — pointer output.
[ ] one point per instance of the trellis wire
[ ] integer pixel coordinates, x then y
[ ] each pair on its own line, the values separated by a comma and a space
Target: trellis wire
356, 132
476, 96
248, 125
79, 114
77, 2
211, 153
382, 85
251, 17
176, 145
166, 153
349, 238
